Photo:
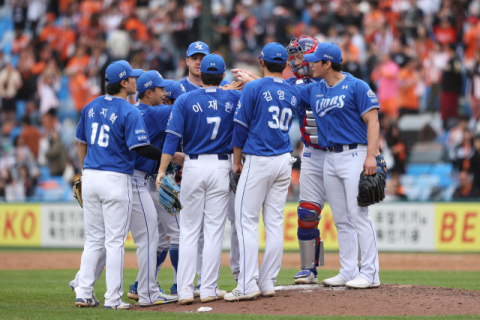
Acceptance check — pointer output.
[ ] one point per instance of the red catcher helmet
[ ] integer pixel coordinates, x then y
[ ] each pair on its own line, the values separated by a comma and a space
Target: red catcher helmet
303, 45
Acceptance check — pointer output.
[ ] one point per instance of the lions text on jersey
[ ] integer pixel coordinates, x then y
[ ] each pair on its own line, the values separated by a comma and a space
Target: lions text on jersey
204, 119
266, 109
339, 109
111, 127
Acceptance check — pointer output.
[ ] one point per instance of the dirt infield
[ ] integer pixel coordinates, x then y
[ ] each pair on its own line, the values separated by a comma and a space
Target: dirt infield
387, 300
388, 261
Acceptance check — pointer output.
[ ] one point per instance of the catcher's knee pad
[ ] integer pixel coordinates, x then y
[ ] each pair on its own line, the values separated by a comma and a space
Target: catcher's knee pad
309, 212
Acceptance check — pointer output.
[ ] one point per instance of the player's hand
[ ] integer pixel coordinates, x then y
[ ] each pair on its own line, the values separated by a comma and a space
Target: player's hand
237, 168
235, 85
159, 179
243, 75
370, 165
179, 158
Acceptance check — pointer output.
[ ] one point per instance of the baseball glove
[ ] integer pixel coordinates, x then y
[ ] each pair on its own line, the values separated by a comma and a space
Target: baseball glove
371, 189
234, 177
169, 195
77, 191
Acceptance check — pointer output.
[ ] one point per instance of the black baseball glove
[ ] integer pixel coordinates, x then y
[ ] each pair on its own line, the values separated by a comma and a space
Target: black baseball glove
371, 189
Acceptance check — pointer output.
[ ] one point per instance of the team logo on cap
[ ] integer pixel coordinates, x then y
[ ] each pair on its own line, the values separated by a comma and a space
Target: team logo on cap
327, 56
148, 84
198, 45
169, 93
212, 64
262, 54
122, 74
279, 54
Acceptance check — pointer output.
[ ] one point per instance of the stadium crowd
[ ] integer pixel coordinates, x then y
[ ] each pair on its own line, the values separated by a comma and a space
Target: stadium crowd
421, 57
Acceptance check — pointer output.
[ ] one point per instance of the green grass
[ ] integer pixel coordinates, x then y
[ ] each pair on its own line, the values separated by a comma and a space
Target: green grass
44, 294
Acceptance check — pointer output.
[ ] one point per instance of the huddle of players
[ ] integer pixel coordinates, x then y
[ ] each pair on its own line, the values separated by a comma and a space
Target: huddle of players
209, 122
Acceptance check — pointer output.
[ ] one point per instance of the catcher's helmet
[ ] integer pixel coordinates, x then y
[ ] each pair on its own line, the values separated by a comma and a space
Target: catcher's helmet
303, 45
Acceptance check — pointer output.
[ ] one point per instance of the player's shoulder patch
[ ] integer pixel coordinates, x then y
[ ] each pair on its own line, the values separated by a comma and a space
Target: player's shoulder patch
371, 94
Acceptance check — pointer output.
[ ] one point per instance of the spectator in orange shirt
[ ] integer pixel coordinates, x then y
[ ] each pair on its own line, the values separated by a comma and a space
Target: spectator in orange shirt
79, 61
470, 39
445, 33
80, 90
50, 33
134, 24
66, 41
408, 80
20, 41
30, 135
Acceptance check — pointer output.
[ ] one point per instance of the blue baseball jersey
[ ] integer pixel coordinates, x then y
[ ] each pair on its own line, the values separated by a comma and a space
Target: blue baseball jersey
338, 110
156, 120
111, 127
189, 86
267, 109
204, 118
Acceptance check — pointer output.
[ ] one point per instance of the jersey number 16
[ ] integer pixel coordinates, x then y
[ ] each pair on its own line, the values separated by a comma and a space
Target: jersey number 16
102, 137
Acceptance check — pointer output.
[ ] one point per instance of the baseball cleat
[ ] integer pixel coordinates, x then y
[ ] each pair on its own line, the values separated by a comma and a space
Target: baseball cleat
133, 292
305, 277
336, 281
162, 299
122, 306
173, 290
220, 295
187, 301
235, 295
196, 291
269, 294
160, 289
86, 303
361, 283
72, 285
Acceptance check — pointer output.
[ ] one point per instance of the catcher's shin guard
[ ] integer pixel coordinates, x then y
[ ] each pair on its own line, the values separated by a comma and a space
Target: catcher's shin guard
310, 243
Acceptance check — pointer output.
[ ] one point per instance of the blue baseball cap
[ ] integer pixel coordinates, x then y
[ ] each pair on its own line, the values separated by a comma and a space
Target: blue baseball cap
120, 70
197, 47
175, 90
150, 80
213, 62
325, 51
274, 52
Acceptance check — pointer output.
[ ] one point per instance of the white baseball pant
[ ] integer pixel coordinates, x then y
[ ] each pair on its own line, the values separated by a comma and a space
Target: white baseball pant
312, 188
144, 229
264, 181
342, 173
234, 250
205, 193
107, 204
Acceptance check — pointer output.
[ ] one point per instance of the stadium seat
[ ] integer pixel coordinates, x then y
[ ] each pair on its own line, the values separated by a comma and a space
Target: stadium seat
442, 169
412, 193
418, 169
427, 181
407, 180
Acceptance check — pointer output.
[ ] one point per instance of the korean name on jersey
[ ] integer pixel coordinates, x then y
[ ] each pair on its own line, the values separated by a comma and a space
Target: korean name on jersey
204, 118
111, 127
266, 109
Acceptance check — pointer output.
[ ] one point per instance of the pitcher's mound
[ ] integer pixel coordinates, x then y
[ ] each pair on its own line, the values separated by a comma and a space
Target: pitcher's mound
389, 299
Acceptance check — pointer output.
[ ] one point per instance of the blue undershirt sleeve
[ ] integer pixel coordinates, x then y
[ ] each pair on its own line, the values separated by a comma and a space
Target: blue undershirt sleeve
171, 143
239, 135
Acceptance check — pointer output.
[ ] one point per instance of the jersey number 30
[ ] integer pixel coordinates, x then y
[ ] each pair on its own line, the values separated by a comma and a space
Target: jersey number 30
284, 121
102, 137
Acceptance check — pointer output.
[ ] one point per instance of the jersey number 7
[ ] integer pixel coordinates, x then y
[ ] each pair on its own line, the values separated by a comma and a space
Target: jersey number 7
285, 117
216, 121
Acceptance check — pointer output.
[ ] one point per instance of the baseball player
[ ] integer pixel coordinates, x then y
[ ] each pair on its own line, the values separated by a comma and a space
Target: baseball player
144, 224
346, 111
195, 53
204, 119
109, 128
263, 119
144, 217
312, 190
